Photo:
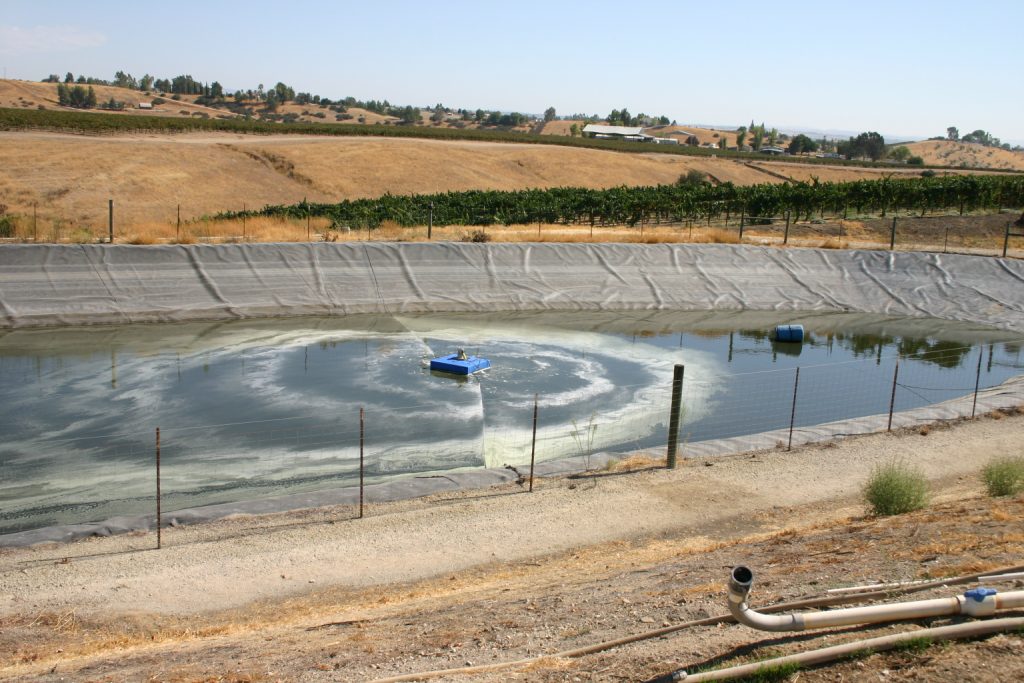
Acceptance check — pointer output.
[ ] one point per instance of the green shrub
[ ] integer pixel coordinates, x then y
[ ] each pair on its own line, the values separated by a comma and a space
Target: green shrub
1004, 476
895, 488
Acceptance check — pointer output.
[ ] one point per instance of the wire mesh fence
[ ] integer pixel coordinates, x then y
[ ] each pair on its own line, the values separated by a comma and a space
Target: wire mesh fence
989, 231
412, 449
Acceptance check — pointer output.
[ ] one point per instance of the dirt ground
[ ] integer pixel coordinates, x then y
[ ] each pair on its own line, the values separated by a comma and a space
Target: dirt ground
499, 575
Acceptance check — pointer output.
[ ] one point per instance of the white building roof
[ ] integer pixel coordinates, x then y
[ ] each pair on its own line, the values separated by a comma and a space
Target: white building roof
612, 130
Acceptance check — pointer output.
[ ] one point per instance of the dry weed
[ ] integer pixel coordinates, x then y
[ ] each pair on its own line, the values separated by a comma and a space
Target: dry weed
638, 461
718, 236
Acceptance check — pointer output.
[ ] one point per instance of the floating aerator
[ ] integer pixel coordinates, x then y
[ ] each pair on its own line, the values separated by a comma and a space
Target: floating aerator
459, 363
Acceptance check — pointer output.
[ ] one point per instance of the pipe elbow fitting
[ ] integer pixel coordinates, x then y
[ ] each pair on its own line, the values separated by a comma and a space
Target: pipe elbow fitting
740, 582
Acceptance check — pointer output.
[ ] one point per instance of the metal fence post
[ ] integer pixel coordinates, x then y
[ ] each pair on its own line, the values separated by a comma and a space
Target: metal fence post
430, 221
892, 235
159, 516
673, 418
110, 218
892, 399
792, 414
785, 236
533, 443
361, 461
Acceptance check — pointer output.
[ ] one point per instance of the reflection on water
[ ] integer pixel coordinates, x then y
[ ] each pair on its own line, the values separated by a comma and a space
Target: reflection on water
256, 408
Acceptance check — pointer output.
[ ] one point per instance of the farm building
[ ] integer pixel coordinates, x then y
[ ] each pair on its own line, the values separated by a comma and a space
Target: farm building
630, 133
145, 105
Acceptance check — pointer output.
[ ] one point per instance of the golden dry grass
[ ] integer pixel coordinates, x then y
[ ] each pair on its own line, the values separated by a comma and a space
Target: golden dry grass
70, 178
949, 153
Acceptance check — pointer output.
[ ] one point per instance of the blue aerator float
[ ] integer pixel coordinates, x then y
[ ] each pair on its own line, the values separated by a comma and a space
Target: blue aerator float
459, 363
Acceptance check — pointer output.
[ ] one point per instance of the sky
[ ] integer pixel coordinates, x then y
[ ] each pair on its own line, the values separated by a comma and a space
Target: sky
907, 69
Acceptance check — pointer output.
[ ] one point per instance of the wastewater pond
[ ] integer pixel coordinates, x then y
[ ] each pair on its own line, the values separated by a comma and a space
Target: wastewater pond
253, 409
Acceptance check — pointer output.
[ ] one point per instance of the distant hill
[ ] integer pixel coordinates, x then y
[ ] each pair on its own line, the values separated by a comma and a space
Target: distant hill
34, 95
949, 153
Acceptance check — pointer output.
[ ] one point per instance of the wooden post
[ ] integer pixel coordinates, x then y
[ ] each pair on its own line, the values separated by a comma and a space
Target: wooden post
977, 381
430, 221
362, 465
792, 414
159, 516
533, 445
892, 235
674, 413
892, 399
243, 221
785, 236
110, 219
179, 223
35, 226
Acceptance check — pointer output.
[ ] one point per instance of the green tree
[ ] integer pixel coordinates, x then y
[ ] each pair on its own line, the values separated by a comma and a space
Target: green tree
901, 153
574, 130
125, 80
952, 133
284, 92
549, 114
801, 143
69, 77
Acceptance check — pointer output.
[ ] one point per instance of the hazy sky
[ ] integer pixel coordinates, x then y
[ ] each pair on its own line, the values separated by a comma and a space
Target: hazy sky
901, 68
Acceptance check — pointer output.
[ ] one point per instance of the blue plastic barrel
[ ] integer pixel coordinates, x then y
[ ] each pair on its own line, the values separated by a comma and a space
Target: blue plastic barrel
789, 333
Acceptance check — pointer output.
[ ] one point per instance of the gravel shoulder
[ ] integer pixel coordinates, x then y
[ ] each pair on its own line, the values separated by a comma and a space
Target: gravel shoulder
498, 574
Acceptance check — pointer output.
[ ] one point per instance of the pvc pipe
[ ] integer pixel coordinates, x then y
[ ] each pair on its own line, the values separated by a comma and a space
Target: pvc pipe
972, 629
976, 603
875, 587
660, 632
996, 578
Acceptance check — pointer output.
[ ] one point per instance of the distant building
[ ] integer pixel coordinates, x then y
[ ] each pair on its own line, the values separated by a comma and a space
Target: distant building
145, 105
630, 133
772, 150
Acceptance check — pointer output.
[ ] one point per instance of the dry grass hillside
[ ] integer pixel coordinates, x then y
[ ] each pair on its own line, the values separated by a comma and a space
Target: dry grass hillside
949, 153
31, 95
69, 178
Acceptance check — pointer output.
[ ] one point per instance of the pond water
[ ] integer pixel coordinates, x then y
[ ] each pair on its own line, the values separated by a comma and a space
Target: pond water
259, 408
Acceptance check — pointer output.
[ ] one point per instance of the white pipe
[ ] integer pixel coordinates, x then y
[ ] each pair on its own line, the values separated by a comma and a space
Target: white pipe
877, 586
976, 603
996, 578
971, 629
